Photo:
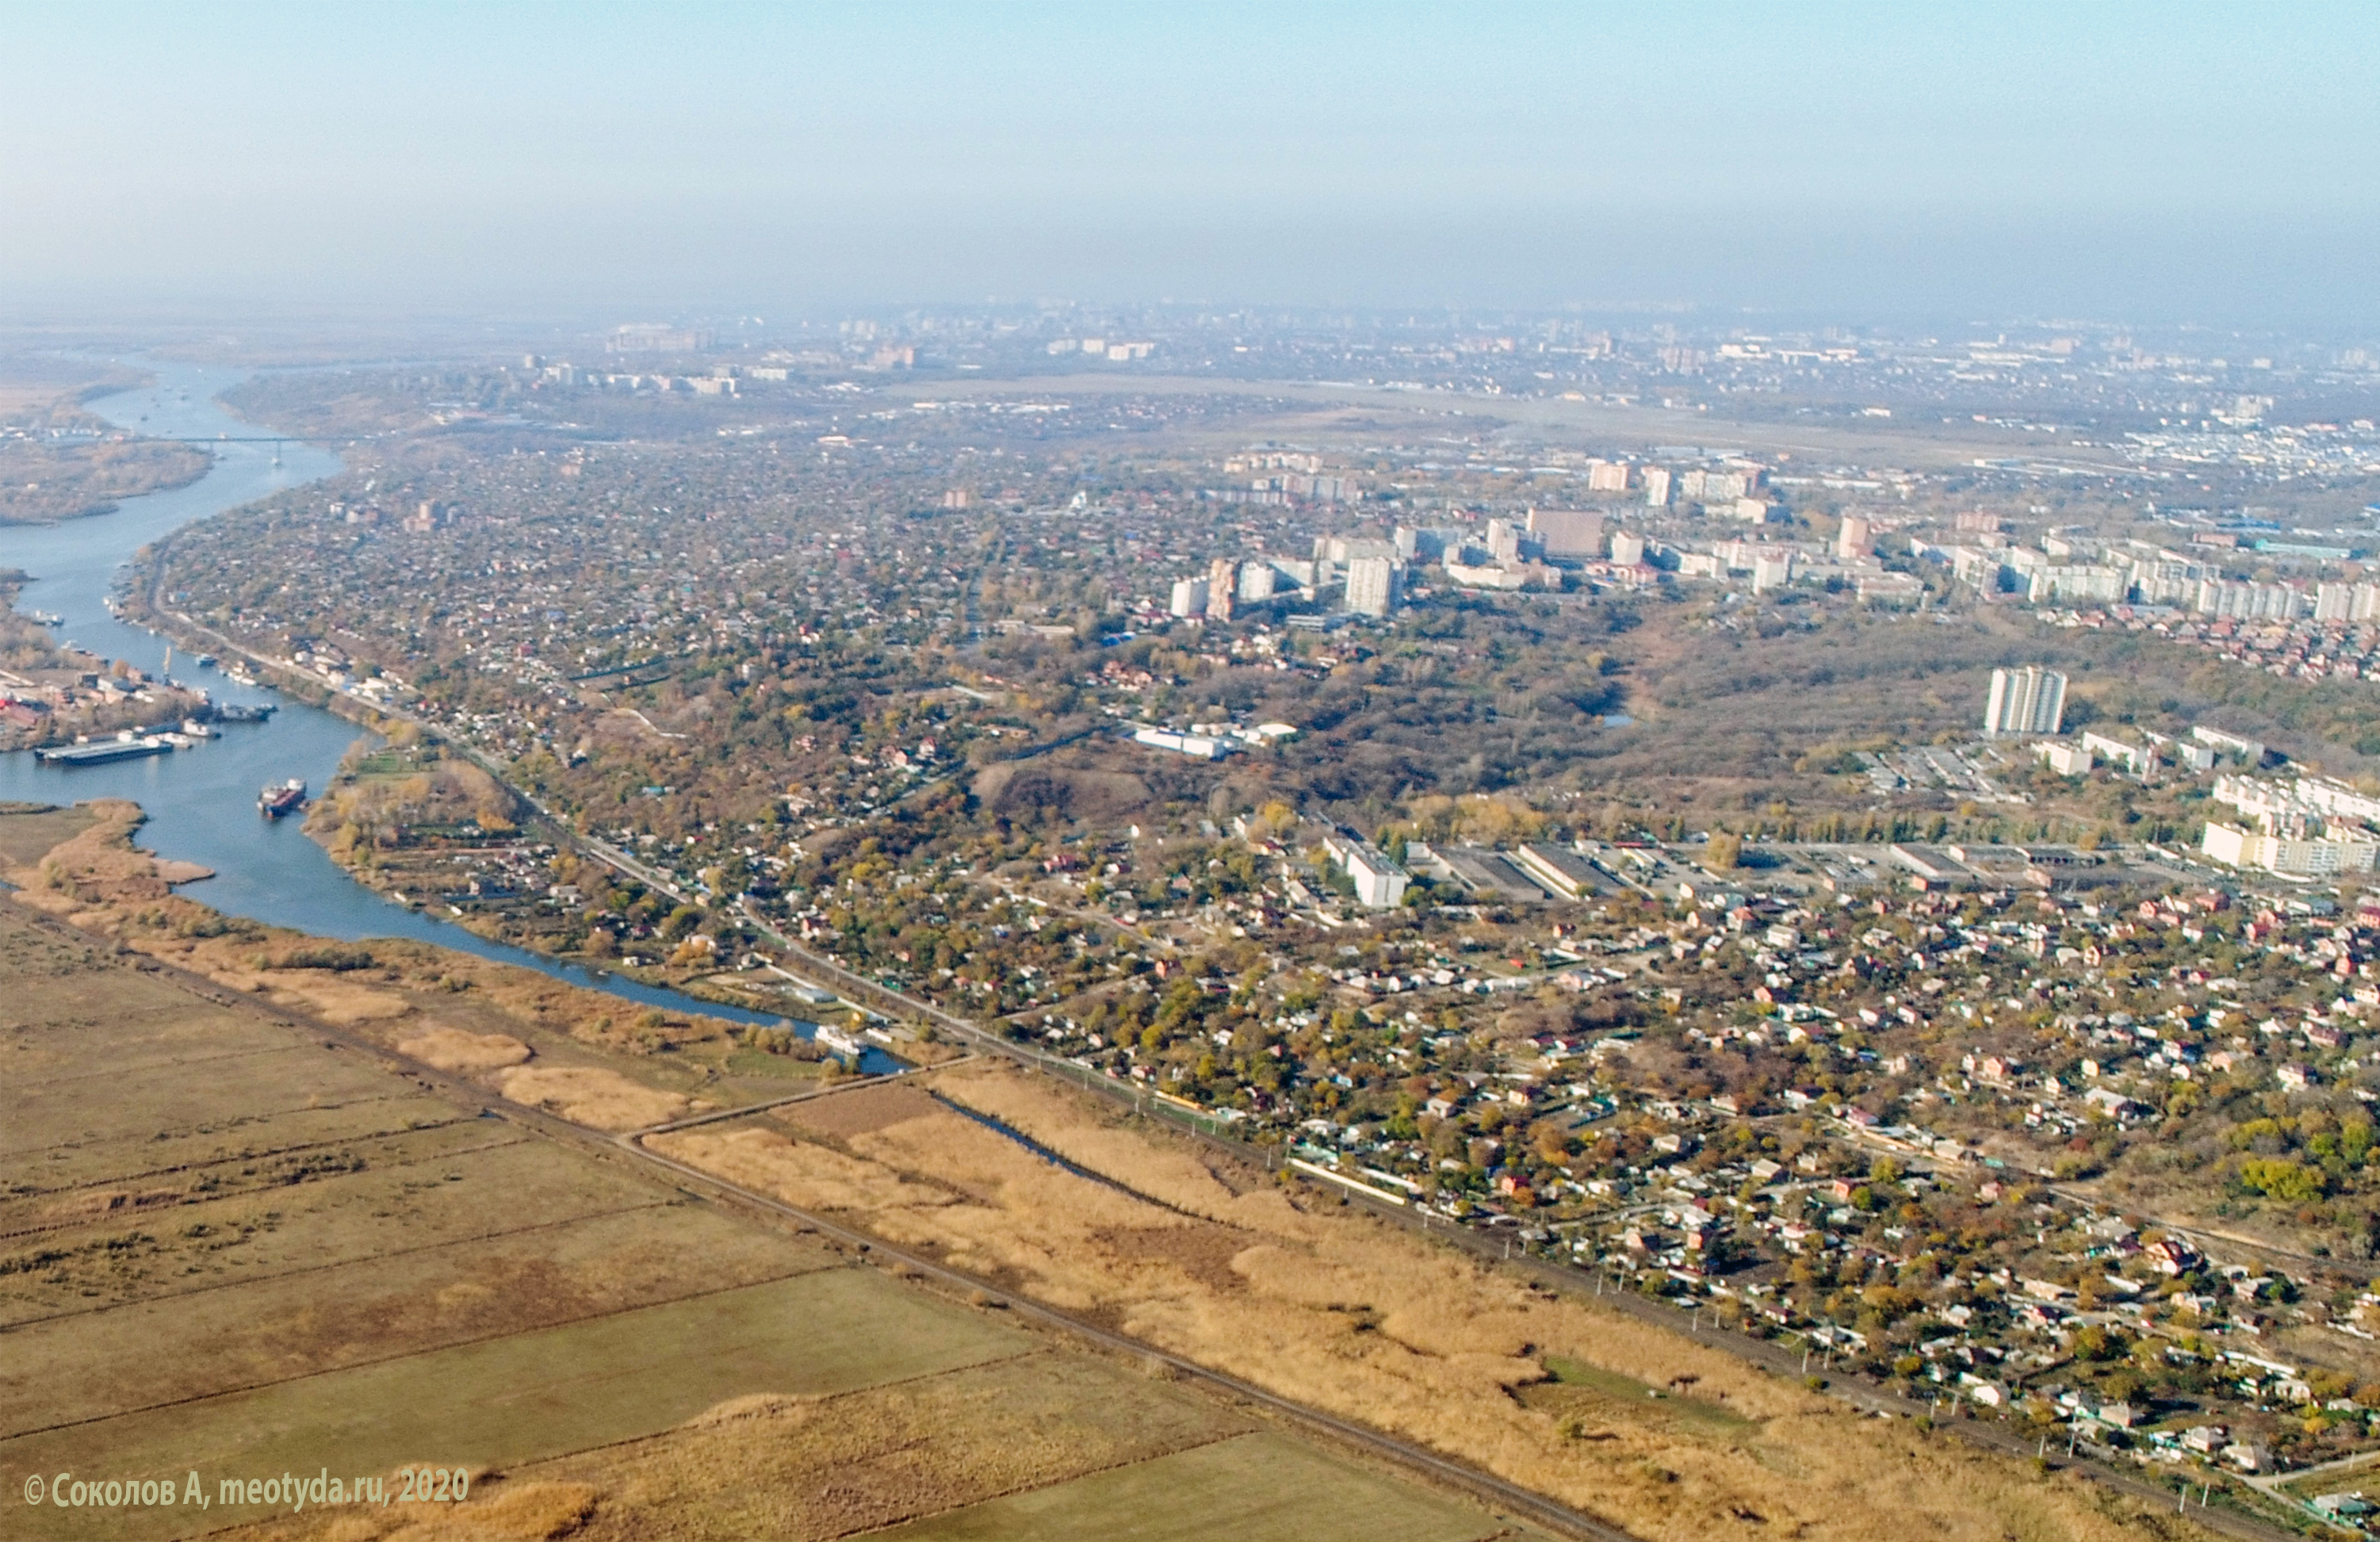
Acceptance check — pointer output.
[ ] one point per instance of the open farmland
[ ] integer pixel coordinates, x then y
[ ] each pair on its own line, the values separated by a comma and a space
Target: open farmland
538, 1394
237, 1238
1257, 1487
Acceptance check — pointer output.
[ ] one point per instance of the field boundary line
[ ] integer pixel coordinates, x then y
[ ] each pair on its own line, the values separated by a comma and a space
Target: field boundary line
346, 1263
856, 1084
420, 1353
1084, 1474
193, 1166
195, 1060
1480, 1484
1483, 1246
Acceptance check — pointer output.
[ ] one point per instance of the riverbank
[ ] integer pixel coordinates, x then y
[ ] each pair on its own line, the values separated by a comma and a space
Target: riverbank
50, 693
666, 965
499, 1021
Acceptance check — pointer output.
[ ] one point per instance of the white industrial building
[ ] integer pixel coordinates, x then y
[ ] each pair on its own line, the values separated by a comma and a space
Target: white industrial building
1198, 747
1379, 881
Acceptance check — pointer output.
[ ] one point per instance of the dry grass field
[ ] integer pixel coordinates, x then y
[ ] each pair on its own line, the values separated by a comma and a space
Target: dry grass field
239, 1243
546, 1391
1052, 1445
1369, 1322
29, 832
625, 1064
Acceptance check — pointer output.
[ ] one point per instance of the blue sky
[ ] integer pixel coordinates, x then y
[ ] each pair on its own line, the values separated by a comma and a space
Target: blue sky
2156, 161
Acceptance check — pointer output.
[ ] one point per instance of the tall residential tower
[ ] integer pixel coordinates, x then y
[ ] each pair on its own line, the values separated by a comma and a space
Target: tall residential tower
2027, 700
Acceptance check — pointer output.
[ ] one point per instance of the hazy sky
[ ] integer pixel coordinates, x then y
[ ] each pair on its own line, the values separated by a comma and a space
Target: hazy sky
2157, 160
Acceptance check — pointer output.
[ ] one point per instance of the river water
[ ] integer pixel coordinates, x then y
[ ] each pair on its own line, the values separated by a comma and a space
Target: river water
201, 802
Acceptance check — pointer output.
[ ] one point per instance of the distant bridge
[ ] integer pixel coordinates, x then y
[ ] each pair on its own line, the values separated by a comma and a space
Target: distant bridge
251, 438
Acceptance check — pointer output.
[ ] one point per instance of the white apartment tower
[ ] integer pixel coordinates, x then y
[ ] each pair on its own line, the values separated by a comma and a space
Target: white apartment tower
1375, 587
2022, 701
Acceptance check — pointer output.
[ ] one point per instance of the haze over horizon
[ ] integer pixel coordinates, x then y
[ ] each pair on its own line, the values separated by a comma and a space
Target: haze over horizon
2124, 161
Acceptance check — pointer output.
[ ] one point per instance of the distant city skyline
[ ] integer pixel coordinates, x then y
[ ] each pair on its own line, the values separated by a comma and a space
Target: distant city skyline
2149, 161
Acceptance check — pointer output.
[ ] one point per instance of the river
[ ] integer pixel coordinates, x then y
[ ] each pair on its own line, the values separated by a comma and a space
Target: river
201, 802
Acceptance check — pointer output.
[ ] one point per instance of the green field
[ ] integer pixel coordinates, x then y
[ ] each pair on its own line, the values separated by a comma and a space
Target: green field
1578, 1386
1257, 1488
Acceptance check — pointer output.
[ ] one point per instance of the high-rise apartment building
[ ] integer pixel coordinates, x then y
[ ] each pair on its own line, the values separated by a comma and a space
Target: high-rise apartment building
1856, 538
1567, 532
1657, 487
1375, 587
1189, 596
2027, 700
1222, 582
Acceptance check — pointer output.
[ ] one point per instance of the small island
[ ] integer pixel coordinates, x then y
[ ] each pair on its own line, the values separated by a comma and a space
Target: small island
59, 462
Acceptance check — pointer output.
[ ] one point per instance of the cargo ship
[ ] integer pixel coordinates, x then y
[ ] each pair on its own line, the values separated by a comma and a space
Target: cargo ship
100, 752
280, 798
233, 711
